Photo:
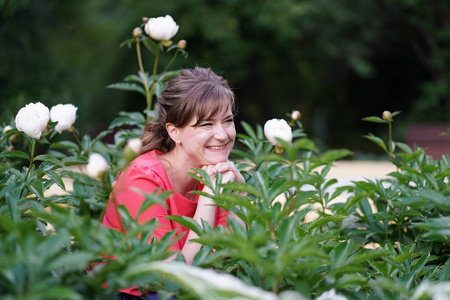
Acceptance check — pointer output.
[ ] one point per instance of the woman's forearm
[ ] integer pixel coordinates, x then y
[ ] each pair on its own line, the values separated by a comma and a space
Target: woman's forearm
206, 210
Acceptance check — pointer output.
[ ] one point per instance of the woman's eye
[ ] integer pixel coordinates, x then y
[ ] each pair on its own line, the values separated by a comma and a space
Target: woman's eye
206, 124
229, 121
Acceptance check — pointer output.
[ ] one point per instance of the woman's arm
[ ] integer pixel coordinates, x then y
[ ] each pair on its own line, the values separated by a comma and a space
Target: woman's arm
206, 206
206, 210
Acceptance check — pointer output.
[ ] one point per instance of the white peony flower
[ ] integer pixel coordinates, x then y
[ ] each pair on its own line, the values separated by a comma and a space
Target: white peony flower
161, 28
277, 128
65, 115
96, 166
32, 119
331, 295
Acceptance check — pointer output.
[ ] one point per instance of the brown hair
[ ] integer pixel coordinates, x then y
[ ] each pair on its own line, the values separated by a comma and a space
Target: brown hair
198, 92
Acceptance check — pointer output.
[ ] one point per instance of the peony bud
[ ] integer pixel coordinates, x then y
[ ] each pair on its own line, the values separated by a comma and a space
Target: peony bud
161, 28
7, 128
277, 128
132, 149
295, 115
135, 145
32, 119
387, 115
12, 138
182, 44
137, 32
97, 165
144, 19
167, 43
65, 115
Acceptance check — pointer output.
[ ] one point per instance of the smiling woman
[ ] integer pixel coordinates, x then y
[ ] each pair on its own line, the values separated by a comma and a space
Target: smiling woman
195, 129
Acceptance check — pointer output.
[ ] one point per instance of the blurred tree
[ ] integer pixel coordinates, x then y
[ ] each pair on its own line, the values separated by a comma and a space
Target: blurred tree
335, 60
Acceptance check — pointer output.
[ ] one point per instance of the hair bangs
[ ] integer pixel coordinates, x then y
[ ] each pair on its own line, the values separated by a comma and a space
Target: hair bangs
213, 100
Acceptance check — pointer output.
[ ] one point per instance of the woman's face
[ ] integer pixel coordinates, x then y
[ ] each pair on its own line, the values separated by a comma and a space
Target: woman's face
210, 141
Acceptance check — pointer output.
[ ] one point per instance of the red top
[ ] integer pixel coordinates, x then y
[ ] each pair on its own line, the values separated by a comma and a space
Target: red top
146, 173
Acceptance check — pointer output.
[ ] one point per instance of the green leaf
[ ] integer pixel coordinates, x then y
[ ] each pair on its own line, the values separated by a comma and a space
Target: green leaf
322, 221
332, 155
74, 160
367, 255
70, 261
377, 141
151, 45
13, 211
61, 292
127, 43
65, 145
168, 75
37, 188
125, 86
50, 159
243, 187
153, 198
56, 178
128, 118
8, 223
286, 232
304, 144
133, 77
435, 196
186, 222
249, 130
15, 154
203, 178
375, 120
404, 147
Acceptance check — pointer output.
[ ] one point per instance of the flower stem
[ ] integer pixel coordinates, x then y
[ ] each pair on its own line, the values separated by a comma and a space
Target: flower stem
33, 150
390, 147
144, 77
171, 61
152, 85
77, 139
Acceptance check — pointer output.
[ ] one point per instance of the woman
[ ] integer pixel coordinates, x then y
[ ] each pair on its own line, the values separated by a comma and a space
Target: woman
195, 129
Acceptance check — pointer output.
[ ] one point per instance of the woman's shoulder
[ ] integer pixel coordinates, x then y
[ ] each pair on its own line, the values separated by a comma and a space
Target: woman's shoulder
147, 159
148, 163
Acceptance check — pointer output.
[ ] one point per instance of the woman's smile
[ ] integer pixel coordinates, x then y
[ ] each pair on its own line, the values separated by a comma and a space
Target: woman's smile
218, 147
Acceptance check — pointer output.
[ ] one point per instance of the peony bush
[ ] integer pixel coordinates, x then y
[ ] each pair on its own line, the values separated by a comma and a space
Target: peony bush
389, 239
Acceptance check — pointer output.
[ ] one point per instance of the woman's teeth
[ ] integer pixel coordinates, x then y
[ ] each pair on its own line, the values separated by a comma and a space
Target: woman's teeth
216, 147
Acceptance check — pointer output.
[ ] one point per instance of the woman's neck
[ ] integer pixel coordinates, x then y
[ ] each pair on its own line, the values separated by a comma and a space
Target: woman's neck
177, 170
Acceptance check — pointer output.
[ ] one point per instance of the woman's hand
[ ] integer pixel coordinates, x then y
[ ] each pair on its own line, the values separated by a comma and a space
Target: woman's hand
228, 171
229, 174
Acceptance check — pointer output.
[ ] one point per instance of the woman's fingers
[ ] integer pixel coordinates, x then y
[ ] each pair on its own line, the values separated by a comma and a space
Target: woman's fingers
228, 176
210, 170
229, 166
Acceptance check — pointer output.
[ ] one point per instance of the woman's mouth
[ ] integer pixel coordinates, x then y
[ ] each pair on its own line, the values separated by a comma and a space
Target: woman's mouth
216, 147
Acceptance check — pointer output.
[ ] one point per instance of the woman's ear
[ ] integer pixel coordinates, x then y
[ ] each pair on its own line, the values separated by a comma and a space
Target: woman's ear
173, 132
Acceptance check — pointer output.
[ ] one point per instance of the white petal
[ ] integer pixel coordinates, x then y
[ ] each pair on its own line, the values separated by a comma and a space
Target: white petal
32, 119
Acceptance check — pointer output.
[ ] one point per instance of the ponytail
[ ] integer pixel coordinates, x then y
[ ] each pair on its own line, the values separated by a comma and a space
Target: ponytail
155, 137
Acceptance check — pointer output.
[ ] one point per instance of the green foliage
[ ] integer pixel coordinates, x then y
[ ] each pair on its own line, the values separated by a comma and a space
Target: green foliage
389, 239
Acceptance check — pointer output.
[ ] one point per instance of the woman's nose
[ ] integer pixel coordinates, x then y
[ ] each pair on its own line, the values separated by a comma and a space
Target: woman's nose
220, 133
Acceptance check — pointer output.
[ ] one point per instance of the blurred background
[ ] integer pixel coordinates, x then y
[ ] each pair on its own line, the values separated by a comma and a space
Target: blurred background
337, 61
